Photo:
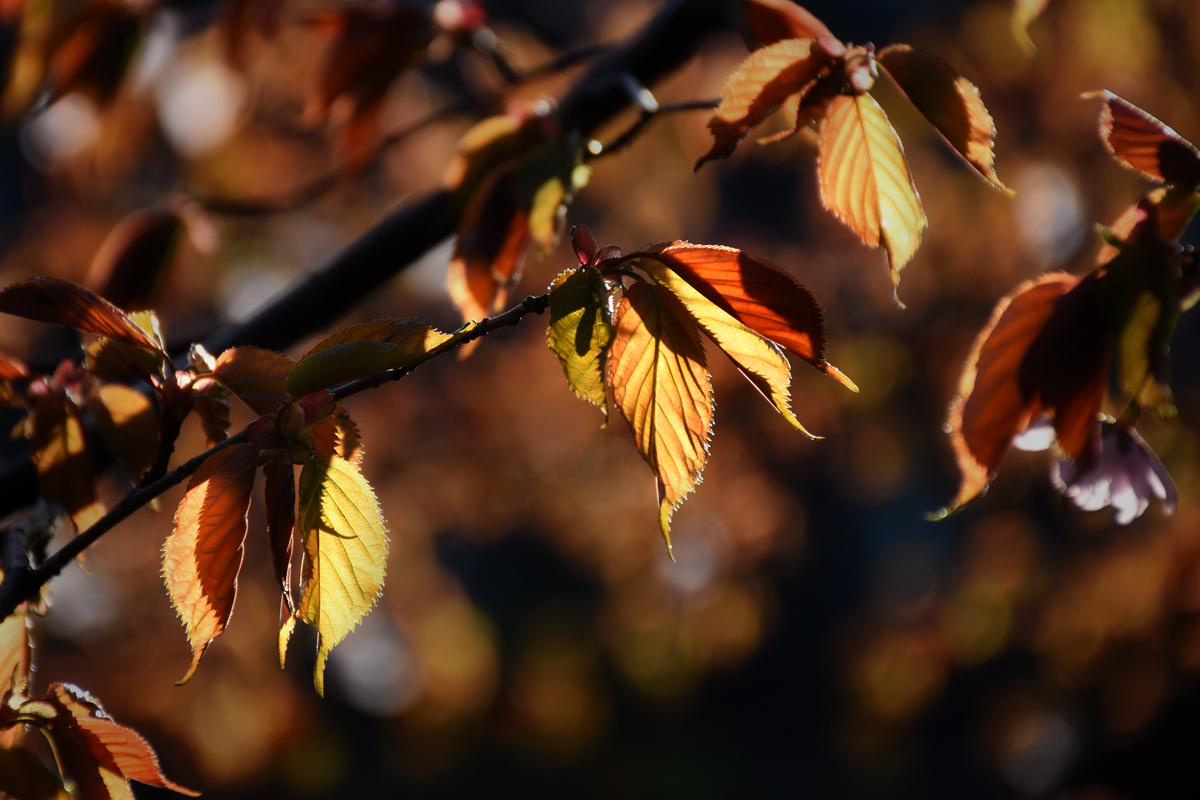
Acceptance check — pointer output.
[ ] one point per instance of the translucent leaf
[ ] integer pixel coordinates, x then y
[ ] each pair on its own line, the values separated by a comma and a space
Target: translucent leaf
255, 376
362, 351
337, 435
774, 20
128, 424
661, 385
346, 544
60, 456
203, 554
61, 302
1144, 144
108, 358
580, 332
865, 180
949, 101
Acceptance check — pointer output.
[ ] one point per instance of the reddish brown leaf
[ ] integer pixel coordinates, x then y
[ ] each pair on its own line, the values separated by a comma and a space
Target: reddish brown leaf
134, 260
90, 48
761, 84
949, 101
1144, 144
759, 294
775, 20
255, 376
128, 423
992, 407
61, 302
280, 496
212, 407
60, 455
337, 435
12, 369
203, 554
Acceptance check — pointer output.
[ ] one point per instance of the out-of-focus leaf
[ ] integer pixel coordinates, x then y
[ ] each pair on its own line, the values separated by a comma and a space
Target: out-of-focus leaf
12, 369
1142, 340
1024, 14
490, 142
280, 496
544, 185
865, 180
99, 755
1144, 144
203, 554
16, 659
90, 49
660, 383
61, 302
991, 406
760, 360
580, 332
24, 777
127, 421
762, 296
255, 376
243, 16
949, 101
761, 84
60, 456
361, 351
108, 358
775, 20
134, 261
346, 544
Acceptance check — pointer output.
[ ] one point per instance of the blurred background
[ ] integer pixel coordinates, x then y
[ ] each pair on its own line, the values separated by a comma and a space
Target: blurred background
817, 637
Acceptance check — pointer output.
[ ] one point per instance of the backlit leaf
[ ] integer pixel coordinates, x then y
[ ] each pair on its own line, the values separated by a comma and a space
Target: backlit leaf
581, 331
61, 302
255, 376
128, 423
949, 101
660, 383
775, 20
346, 544
761, 84
280, 496
544, 185
60, 456
1144, 144
95, 752
108, 358
361, 351
337, 436
762, 296
203, 554
991, 407
24, 777
865, 180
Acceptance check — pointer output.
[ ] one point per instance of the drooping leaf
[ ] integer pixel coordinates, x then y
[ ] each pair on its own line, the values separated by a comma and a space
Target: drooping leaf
991, 407
128, 423
949, 101
280, 497
1144, 144
581, 332
61, 302
24, 777
255, 376
203, 554
134, 260
98, 754
775, 20
1024, 14
346, 544
361, 351
660, 382
109, 358
865, 180
762, 296
761, 84
760, 360
60, 456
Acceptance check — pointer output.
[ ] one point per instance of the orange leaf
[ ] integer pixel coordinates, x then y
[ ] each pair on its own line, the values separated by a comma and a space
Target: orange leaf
949, 101
12, 369
128, 423
761, 295
761, 84
61, 302
255, 376
775, 20
865, 179
135, 259
97, 753
91, 48
280, 497
203, 554
1173, 207
60, 455
991, 407
660, 381
1143, 144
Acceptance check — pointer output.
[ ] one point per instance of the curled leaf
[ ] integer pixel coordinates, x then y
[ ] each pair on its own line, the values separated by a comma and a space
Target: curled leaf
1144, 144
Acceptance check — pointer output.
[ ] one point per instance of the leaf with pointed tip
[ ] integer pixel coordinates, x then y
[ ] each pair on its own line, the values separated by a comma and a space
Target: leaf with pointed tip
280, 496
255, 376
761, 84
203, 554
109, 358
64, 469
865, 180
362, 351
949, 101
99, 755
1144, 144
128, 424
660, 382
24, 777
762, 296
991, 407
62, 302
775, 20
581, 332
345, 540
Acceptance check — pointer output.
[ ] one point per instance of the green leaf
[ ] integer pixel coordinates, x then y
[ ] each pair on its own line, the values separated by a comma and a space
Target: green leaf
581, 332
361, 351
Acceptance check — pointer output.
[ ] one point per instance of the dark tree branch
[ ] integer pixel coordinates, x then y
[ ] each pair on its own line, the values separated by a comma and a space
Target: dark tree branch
626, 138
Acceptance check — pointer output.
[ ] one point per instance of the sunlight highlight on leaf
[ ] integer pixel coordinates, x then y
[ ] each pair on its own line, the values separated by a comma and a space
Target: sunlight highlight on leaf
61, 302
255, 376
361, 351
1144, 144
60, 456
581, 332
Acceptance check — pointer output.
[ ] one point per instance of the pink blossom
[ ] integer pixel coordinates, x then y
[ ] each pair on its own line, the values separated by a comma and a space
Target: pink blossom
1125, 475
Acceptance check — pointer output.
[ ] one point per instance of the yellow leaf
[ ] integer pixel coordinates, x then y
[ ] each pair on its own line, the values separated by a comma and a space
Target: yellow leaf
580, 332
865, 179
661, 385
346, 544
127, 420
761, 361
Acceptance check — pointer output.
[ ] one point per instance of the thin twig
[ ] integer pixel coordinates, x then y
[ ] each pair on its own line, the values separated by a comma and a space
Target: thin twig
626, 138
